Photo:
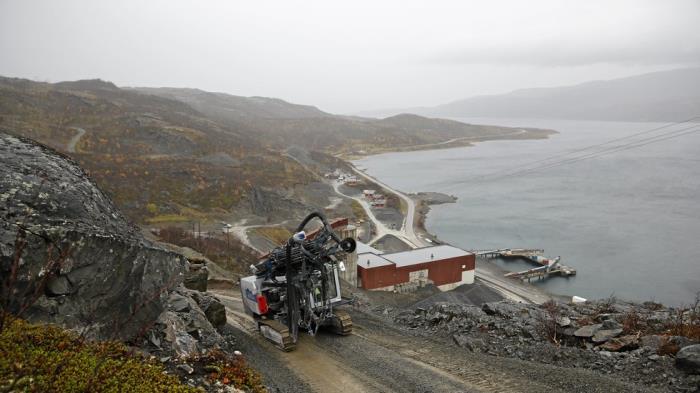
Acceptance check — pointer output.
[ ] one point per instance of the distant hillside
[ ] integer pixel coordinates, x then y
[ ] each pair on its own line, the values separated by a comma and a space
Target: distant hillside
232, 107
177, 155
161, 160
659, 96
279, 124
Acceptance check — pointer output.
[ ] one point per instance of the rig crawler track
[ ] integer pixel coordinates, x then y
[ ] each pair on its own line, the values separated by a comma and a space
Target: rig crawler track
277, 333
342, 323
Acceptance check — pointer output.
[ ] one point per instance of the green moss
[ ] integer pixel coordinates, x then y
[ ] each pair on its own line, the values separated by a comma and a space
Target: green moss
278, 235
167, 218
357, 210
43, 358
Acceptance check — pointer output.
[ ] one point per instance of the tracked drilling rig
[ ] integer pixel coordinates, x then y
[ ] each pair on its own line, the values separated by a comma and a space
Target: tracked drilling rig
297, 286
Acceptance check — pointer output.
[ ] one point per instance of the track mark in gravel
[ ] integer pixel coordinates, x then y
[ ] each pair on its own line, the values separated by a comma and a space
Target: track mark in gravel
463, 372
309, 361
389, 367
323, 372
446, 360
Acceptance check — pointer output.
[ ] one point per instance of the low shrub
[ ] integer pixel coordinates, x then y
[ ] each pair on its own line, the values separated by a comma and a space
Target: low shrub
633, 322
548, 322
45, 358
685, 321
232, 371
668, 347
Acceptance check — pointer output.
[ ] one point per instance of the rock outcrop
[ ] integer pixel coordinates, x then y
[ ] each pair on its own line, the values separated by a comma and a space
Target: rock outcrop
184, 328
606, 336
80, 263
688, 359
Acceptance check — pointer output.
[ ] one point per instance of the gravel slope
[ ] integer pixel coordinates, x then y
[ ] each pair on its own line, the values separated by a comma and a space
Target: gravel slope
382, 357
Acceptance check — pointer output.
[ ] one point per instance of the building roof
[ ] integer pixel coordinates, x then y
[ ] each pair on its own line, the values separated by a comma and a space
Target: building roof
374, 261
406, 258
425, 254
363, 248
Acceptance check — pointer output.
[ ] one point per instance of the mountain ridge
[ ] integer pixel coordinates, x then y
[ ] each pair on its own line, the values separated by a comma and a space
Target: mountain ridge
672, 95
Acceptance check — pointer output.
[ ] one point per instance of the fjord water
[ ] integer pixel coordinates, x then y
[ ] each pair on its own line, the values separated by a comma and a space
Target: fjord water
629, 222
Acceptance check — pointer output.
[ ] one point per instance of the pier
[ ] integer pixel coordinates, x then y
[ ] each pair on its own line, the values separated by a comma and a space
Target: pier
545, 266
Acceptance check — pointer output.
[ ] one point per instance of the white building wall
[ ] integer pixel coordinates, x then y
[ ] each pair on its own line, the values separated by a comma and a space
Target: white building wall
467, 278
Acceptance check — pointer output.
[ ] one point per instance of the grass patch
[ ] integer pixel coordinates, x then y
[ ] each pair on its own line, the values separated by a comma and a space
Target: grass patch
358, 211
279, 235
167, 218
44, 358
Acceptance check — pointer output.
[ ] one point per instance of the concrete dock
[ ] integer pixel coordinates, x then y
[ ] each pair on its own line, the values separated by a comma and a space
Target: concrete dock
544, 266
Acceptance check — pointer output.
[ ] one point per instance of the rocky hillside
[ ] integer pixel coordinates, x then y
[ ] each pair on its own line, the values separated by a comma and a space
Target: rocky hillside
647, 343
159, 159
227, 106
70, 258
279, 124
68, 255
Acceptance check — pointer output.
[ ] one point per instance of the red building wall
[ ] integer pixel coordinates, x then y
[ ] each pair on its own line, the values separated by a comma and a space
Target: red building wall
377, 277
441, 272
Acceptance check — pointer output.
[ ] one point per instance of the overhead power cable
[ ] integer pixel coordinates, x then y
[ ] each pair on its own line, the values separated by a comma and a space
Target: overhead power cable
579, 150
550, 162
636, 144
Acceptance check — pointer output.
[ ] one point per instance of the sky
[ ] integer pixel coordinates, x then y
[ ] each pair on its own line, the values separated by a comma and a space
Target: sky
347, 56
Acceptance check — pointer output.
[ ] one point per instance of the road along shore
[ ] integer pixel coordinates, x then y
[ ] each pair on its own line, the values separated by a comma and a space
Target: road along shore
415, 231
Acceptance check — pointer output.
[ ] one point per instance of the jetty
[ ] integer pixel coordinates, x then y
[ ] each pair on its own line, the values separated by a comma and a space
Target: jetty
544, 266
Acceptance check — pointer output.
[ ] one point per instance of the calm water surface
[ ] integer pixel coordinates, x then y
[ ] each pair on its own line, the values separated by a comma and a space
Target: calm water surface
629, 222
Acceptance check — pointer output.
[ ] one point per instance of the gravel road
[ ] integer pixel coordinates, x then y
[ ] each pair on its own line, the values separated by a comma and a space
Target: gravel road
382, 357
75, 139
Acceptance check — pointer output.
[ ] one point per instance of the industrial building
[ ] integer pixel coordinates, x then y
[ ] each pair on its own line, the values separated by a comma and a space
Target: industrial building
444, 266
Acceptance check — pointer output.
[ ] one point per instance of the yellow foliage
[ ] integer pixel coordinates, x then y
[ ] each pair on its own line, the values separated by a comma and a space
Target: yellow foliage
278, 235
165, 218
152, 208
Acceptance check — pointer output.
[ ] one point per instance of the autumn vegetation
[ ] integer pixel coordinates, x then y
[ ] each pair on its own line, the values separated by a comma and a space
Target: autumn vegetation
45, 358
160, 160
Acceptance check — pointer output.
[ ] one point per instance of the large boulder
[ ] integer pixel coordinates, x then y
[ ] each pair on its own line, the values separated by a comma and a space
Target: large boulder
587, 331
80, 263
688, 359
196, 276
624, 343
184, 328
212, 308
604, 335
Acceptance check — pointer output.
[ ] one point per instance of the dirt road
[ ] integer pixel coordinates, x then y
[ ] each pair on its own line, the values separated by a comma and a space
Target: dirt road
381, 357
407, 231
75, 139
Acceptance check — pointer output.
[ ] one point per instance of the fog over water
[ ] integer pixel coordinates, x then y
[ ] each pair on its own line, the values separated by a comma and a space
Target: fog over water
628, 221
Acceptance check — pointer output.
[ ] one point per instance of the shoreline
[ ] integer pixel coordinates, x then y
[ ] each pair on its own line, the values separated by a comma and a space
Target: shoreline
487, 273
520, 133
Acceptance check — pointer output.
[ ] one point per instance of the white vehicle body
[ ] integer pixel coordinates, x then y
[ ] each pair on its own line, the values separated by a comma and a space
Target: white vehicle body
250, 290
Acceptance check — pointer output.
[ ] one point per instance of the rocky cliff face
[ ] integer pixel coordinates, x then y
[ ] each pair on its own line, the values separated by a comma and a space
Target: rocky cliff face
79, 262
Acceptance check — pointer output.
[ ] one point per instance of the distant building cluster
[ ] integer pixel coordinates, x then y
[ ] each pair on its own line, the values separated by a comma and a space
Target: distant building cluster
374, 199
345, 178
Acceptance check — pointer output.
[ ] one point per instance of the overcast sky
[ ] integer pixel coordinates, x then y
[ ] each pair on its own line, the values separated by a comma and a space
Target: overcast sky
347, 56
